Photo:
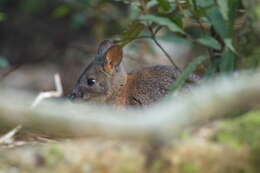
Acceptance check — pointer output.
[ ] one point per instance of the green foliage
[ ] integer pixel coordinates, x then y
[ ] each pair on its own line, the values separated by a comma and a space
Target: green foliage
163, 22
145, 18
223, 4
188, 71
172, 15
243, 132
3, 62
227, 61
189, 168
62, 10
165, 5
77, 12
131, 33
2, 17
235, 132
32, 6
216, 19
209, 42
54, 156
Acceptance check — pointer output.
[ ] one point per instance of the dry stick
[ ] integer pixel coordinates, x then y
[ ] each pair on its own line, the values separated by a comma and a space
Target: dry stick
215, 99
8, 137
50, 94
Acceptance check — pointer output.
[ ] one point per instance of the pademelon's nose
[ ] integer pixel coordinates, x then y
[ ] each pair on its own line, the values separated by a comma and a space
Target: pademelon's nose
75, 93
72, 96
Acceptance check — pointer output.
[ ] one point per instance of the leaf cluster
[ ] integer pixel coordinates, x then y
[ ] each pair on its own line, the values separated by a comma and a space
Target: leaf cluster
214, 20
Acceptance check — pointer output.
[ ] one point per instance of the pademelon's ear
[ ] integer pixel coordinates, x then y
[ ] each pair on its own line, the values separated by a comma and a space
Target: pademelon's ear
113, 58
104, 46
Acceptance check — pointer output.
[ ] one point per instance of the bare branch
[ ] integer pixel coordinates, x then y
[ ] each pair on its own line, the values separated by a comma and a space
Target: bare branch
8, 137
50, 94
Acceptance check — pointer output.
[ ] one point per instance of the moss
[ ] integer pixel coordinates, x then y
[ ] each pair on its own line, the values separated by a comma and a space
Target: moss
157, 166
125, 168
188, 167
243, 132
54, 156
255, 156
128, 166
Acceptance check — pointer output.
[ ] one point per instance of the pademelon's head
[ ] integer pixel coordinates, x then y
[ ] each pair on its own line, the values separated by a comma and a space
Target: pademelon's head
102, 77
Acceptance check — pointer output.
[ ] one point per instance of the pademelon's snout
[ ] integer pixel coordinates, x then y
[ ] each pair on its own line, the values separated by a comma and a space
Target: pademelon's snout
76, 93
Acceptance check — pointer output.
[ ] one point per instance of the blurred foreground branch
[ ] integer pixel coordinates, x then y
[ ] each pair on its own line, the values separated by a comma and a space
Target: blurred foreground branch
213, 99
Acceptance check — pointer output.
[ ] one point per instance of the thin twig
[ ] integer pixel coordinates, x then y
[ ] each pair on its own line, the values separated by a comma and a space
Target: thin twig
8, 137
153, 37
157, 30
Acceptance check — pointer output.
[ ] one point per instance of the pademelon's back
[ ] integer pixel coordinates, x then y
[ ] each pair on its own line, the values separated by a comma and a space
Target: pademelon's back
152, 84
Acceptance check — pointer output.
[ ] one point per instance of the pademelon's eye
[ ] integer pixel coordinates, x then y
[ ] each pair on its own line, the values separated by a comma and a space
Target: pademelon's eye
91, 81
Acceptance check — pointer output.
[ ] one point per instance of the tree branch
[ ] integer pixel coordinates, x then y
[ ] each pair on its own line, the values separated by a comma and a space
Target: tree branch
212, 100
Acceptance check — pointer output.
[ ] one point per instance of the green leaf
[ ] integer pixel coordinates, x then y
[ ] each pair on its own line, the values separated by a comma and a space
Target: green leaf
232, 13
78, 20
133, 30
216, 19
166, 6
227, 61
187, 13
174, 38
202, 3
212, 68
151, 4
229, 44
32, 6
178, 21
3, 62
223, 6
209, 42
134, 12
2, 17
188, 71
85, 2
62, 11
164, 22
